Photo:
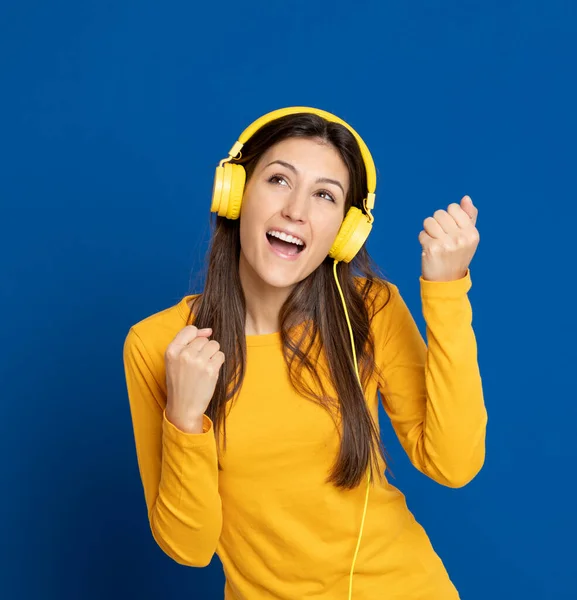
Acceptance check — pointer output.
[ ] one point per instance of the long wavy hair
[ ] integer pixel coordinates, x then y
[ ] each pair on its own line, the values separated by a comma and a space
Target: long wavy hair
314, 301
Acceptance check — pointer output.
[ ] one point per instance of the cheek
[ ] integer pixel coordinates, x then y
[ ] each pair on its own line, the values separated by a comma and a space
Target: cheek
328, 229
253, 210
247, 240
251, 227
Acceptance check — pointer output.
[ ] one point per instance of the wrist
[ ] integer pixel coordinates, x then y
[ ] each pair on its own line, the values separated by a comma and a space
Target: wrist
186, 424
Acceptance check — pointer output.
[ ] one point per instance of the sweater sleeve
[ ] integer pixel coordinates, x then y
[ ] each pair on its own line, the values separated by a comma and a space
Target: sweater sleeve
433, 394
179, 471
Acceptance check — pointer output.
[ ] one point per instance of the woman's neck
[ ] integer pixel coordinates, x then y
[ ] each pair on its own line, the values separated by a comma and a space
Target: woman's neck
263, 303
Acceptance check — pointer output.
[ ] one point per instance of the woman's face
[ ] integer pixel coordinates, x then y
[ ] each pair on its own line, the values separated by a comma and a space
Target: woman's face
298, 186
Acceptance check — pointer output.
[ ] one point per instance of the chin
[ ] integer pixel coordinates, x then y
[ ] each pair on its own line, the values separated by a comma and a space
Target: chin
280, 275
279, 280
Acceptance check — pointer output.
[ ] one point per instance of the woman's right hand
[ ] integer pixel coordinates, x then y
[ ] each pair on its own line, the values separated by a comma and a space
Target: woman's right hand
193, 363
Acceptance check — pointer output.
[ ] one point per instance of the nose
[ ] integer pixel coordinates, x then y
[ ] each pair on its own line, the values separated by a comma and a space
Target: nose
296, 206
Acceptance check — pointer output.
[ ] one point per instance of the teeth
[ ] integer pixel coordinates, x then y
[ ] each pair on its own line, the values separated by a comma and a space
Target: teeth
287, 238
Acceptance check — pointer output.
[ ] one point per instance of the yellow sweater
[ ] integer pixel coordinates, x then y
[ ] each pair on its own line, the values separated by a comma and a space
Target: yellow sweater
280, 531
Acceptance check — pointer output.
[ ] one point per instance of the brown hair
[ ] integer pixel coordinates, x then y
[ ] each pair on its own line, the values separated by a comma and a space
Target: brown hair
315, 300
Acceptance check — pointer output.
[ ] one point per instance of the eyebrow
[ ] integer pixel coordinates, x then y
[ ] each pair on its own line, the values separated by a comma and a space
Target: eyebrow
294, 170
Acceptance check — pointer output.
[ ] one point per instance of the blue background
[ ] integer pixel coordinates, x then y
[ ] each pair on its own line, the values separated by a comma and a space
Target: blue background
114, 116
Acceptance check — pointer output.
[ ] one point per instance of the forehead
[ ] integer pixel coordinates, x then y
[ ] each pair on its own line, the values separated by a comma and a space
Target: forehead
308, 155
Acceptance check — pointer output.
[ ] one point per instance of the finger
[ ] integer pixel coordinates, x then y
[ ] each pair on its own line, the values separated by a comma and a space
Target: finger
433, 228
460, 216
210, 349
446, 221
195, 348
218, 357
425, 239
189, 333
196, 345
469, 208
205, 332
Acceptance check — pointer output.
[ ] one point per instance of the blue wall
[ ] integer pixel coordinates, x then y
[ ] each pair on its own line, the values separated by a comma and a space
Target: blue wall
114, 115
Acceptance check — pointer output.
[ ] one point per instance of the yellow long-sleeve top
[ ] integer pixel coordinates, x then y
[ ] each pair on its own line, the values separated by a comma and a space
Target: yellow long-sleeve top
279, 529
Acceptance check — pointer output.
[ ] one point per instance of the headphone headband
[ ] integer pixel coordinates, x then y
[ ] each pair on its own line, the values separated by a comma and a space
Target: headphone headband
281, 112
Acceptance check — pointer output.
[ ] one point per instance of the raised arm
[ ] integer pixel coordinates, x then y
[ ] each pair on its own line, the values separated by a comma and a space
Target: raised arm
178, 470
433, 395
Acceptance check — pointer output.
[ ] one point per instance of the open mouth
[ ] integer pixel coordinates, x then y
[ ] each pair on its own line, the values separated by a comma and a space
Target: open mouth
286, 248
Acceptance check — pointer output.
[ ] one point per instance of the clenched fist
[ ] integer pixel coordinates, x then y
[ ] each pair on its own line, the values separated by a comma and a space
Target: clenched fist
449, 241
193, 363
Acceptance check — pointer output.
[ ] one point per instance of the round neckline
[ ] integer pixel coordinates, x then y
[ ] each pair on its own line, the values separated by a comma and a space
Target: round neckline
265, 339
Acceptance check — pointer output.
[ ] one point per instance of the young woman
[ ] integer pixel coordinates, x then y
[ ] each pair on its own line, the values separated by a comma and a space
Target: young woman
255, 410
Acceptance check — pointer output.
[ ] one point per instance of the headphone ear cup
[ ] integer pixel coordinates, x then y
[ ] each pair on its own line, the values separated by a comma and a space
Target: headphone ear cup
219, 193
354, 231
236, 191
217, 189
228, 190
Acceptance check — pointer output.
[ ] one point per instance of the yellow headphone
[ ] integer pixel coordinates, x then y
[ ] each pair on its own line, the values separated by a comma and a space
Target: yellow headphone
227, 196
230, 179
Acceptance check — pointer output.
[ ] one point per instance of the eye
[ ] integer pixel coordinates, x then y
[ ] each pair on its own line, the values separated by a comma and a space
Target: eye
275, 178
330, 196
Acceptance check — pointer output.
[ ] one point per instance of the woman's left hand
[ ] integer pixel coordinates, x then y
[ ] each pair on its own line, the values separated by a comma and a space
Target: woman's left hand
449, 241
